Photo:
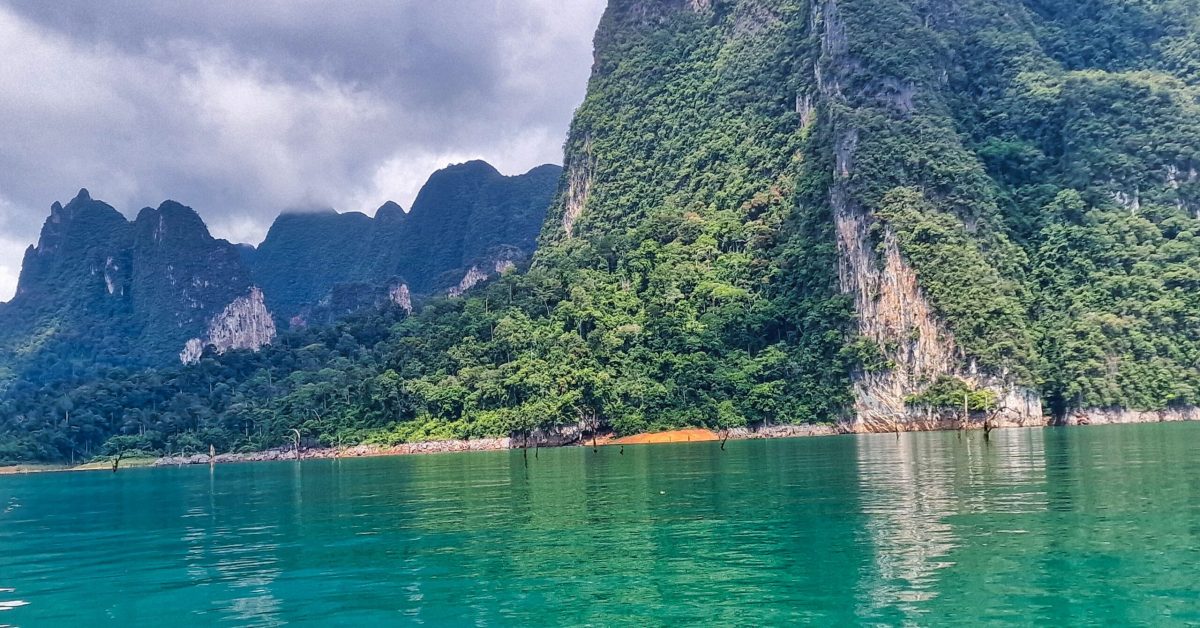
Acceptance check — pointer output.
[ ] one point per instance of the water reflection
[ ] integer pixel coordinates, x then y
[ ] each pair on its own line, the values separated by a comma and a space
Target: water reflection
1043, 526
912, 488
8, 605
231, 551
906, 493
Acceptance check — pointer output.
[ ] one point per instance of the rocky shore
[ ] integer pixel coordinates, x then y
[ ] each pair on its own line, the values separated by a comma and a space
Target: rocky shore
571, 437
357, 451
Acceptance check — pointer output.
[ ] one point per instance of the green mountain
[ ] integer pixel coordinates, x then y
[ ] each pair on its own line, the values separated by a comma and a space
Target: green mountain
467, 215
864, 212
305, 254
100, 291
182, 278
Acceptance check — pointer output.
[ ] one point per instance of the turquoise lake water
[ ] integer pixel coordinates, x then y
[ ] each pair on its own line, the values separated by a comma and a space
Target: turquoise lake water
1095, 525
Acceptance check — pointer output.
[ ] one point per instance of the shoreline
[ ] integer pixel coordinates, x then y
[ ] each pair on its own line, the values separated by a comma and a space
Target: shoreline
806, 430
934, 424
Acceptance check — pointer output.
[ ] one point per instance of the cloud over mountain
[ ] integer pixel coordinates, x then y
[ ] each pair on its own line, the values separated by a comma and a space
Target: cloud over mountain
242, 111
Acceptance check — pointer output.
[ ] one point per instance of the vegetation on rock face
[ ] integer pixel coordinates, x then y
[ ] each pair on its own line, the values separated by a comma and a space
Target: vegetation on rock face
466, 214
953, 394
1034, 161
100, 291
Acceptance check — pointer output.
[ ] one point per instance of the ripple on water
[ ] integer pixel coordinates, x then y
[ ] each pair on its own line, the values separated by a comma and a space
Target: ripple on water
11, 604
1044, 526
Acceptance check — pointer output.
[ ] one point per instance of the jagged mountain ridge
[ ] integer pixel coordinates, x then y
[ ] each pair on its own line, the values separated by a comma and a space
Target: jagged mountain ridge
98, 289
466, 215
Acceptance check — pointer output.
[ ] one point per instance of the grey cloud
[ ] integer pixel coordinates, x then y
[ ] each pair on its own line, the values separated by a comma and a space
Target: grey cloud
245, 109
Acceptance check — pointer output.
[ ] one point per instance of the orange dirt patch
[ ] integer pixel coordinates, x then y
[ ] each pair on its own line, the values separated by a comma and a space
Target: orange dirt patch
674, 436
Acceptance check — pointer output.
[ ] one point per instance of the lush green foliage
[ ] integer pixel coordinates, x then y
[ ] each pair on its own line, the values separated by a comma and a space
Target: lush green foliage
699, 287
1090, 130
952, 393
1034, 161
99, 290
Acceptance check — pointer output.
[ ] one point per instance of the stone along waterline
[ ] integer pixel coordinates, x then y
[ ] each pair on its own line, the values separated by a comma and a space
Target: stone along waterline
1045, 526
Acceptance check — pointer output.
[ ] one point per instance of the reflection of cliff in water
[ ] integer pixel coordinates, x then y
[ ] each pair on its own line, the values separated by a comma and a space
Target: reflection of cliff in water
236, 558
912, 491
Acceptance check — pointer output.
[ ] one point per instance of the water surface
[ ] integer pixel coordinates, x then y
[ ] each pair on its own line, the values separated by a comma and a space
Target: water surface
1080, 526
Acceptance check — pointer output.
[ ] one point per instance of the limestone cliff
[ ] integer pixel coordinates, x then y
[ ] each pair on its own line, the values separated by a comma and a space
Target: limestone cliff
315, 267
892, 308
499, 263
243, 324
400, 295
104, 290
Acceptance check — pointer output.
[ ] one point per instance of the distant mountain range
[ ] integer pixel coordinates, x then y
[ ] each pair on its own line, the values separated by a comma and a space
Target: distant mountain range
99, 289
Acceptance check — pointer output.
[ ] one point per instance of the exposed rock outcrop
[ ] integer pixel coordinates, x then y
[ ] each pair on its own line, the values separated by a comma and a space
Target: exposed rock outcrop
112, 278
1179, 180
501, 263
193, 350
807, 109
244, 324
399, 295
892, 309
1129, 199
1117, 416
579, 187
502, 266
473, 278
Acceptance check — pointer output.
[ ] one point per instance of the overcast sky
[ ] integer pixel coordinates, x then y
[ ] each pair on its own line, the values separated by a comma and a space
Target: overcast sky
244, 109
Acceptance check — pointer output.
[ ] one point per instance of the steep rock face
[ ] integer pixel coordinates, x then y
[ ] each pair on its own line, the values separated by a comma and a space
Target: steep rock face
473, 278
312, 265
112, 292
401, 297
579, 186
892, 312
243, 324
892, 308
499, 263
182, 275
